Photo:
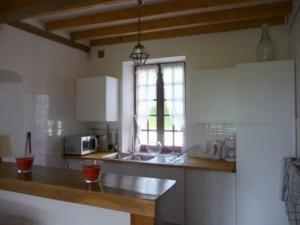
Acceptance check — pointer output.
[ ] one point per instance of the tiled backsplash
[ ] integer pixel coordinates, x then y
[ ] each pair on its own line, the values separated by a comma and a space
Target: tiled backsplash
201, 133
48, 117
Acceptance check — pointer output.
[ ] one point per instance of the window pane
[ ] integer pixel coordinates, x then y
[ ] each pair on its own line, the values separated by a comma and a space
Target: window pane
152, 77
143, 137
142, 77
141, 93
167, 76
178, 75
178, 108
152, 136
168, 123
152, 122
167, 109
168, 138
178, 91
146, 93
168, 91
179, 139
153, 109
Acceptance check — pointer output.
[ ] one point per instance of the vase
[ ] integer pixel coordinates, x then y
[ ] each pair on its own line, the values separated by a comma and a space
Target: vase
265, 47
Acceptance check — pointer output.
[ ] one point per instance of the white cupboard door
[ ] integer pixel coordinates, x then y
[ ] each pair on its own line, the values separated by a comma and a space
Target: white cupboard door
97, 99
210, 198
212, 95
259, 164
265, 93
90, 99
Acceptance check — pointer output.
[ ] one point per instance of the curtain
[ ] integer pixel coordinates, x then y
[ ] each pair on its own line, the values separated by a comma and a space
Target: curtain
145, 93
173, 76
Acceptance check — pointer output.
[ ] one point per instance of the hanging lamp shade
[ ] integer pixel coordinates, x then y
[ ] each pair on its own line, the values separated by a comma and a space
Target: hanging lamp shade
139, 55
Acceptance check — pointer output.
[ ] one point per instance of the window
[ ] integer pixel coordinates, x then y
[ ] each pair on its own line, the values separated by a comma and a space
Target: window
160, 104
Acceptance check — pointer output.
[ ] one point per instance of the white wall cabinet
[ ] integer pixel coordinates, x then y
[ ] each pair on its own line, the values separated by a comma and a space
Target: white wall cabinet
97, 99
212, 95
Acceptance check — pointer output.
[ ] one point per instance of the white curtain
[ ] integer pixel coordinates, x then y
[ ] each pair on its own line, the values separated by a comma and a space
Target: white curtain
145, 93
173, 76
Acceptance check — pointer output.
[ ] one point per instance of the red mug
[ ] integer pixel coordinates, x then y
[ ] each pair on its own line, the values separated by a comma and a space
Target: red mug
24, 163
91, 171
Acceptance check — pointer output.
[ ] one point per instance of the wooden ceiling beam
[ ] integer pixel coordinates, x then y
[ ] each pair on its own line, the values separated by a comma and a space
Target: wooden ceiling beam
131, 13
13, 10
252, 12
223, 27
45, 34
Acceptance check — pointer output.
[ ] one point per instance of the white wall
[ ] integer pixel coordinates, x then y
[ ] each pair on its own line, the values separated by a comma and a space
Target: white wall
43, 102
294, 51
208, 51
217, 50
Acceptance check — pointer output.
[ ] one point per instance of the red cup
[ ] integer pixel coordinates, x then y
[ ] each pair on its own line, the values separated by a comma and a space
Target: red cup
24, 163
91, 171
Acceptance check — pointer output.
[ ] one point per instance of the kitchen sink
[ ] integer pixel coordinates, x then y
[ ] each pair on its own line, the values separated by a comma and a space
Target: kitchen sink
142, 157
139, 157
127, 156
117, 155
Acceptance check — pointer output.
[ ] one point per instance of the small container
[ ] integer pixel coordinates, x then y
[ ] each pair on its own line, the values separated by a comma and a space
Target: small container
24, 163
91, 171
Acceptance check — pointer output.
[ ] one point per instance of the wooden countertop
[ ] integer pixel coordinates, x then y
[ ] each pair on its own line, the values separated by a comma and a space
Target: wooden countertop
182, 161
118, 192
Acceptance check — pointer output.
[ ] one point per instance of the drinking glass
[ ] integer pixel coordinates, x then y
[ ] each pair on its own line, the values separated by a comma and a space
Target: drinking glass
91, 171
24, 162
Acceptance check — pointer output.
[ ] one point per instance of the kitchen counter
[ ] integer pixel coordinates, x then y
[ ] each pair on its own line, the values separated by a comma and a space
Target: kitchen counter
182, 161
117, 192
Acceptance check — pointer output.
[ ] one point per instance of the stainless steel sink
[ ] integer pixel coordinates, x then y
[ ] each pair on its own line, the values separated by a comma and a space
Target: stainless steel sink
139, 157
142, 157
127, 156
117, 155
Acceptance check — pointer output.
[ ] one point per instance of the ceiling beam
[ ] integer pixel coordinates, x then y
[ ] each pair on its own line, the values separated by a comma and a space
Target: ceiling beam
45, 34
251, 12
246, 24
13, 10
131, 13
83, 5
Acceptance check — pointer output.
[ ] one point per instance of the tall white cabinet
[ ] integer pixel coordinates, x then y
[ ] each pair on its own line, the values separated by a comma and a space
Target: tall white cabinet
265, 134
97, 99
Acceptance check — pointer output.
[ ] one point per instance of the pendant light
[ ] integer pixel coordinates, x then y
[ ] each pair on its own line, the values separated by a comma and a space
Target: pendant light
139, 54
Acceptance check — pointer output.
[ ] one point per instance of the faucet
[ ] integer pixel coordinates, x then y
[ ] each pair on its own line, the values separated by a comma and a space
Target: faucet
136, 142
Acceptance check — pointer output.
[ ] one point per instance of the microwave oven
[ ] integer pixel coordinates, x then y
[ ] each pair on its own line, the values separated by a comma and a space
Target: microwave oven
80, 144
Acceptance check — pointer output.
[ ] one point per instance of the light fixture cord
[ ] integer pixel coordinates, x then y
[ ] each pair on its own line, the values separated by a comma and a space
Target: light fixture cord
139, 20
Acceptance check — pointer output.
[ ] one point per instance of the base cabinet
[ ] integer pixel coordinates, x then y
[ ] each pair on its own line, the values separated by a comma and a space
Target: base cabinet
210, 198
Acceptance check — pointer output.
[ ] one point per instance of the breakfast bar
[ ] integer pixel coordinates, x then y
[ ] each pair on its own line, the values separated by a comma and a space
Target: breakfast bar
120, 193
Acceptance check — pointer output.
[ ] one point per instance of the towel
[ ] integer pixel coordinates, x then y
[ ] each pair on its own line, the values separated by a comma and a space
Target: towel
291, 189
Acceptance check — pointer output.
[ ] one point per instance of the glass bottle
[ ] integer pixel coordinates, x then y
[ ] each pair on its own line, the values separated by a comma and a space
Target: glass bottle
265, 47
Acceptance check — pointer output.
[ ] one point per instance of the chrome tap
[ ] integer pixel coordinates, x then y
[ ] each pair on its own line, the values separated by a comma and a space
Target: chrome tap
136, 143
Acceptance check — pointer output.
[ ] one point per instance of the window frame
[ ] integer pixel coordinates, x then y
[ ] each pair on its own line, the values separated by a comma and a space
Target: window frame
160, 115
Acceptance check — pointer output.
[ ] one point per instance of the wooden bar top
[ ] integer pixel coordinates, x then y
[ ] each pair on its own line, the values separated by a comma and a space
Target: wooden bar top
182, 161
136, 195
